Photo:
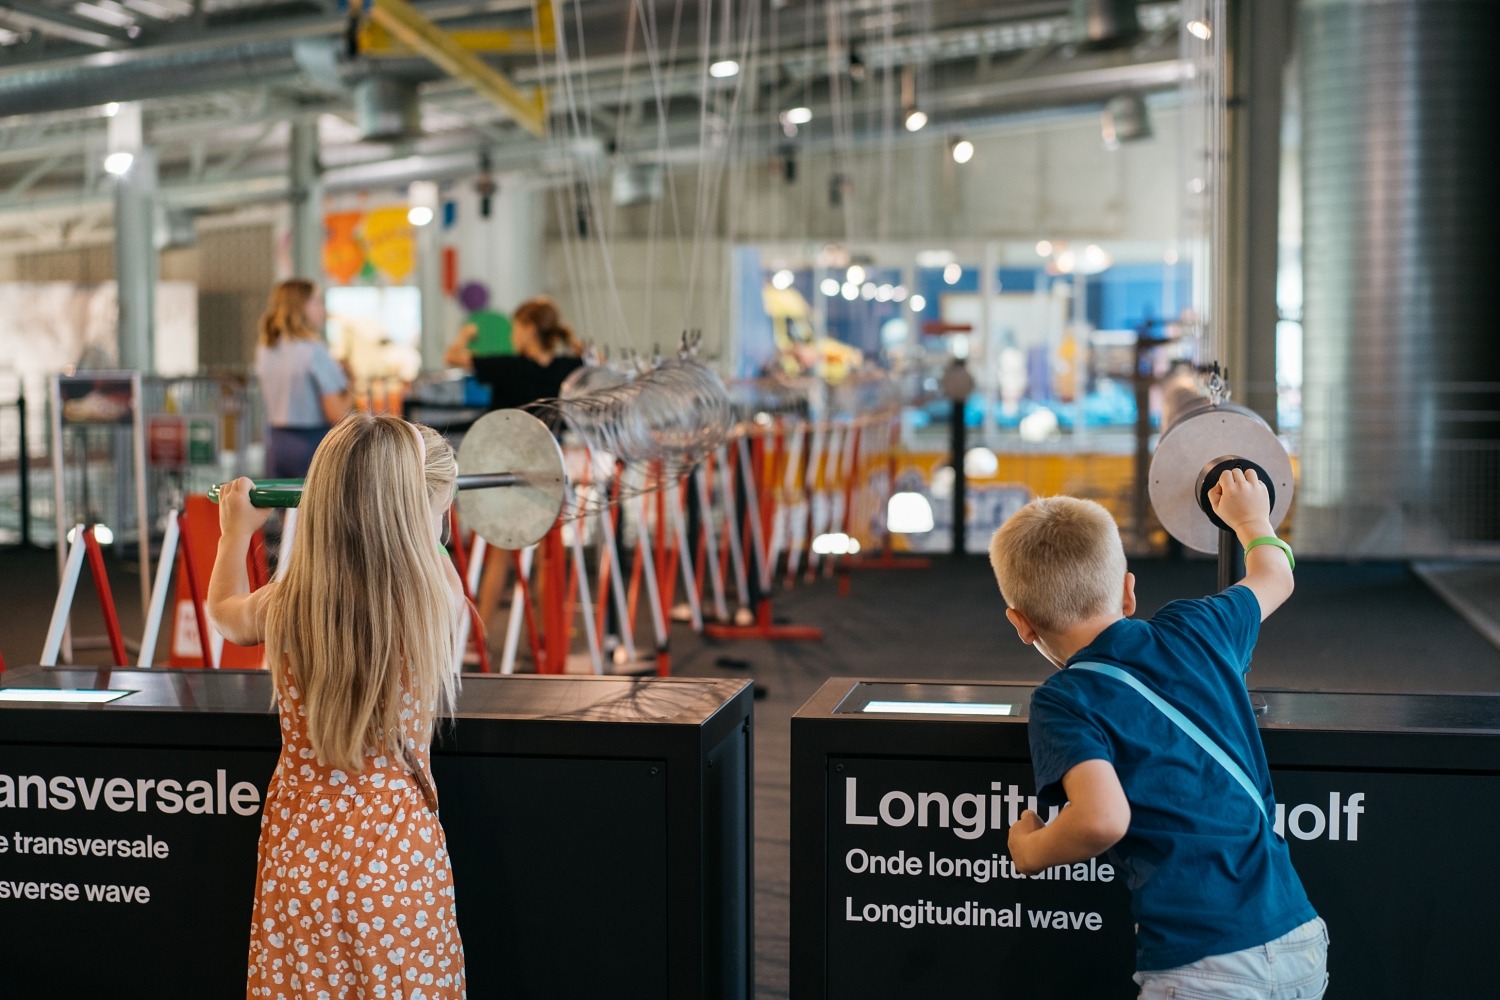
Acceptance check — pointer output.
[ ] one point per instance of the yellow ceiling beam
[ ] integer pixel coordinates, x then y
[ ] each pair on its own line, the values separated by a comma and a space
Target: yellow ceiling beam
409, 27
374, 40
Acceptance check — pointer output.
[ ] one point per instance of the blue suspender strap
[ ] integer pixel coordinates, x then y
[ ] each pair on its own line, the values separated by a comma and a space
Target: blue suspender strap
1185, 724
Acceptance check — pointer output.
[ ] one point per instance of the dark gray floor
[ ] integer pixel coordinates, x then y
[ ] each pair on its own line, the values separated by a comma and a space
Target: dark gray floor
1364, 626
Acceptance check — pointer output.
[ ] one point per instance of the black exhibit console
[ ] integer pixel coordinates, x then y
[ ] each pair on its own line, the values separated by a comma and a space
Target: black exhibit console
599, 829
902, 794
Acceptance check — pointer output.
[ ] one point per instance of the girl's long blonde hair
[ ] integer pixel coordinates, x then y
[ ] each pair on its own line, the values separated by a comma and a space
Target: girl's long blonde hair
363, 619
286, 312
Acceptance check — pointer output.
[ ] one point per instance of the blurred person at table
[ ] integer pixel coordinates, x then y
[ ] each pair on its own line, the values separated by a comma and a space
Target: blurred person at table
305, 391
546, 353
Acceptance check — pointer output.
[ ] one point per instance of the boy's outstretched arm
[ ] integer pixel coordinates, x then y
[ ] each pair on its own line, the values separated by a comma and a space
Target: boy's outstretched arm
1242, 502
1095, 818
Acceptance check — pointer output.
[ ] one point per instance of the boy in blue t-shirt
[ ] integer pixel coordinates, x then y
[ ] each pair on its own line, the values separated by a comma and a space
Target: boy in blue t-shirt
1220, 912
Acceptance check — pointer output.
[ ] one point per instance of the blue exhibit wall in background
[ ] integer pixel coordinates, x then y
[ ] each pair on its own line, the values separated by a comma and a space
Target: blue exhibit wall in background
1124, 297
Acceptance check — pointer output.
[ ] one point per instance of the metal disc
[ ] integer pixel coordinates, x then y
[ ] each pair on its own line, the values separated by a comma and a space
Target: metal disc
513, 441
1192, 444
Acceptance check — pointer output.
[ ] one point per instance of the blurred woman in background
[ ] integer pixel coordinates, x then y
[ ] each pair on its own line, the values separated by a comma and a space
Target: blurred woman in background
305, 391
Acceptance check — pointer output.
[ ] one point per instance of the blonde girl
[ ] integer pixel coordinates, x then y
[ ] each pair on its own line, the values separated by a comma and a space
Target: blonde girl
355, 893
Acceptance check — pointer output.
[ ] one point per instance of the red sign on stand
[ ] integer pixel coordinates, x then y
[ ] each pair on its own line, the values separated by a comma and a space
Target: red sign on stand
167, 441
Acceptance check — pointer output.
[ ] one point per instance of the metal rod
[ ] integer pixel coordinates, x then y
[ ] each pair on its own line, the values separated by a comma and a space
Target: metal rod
1231, 560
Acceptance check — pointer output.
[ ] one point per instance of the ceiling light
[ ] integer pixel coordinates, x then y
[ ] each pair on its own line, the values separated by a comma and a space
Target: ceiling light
797, 116
1200, 28
111, 109
867, 291
1170, 257
856, 275
916, 118
898, 294
782, 279
724, 69
963, 151
419, 215
883, 293
118, 163
952, 273
850, 291
829, 287
1044, 248
934, 258
918, 303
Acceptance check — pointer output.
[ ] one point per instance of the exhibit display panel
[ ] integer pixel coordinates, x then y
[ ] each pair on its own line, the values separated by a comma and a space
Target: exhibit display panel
599, 831
903, 793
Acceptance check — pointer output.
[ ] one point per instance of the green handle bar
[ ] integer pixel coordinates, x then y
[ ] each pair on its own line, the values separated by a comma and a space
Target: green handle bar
288, 492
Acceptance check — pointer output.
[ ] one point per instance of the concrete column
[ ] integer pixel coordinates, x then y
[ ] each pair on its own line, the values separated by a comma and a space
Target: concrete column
510, 244
136, 261
307, 201
1258, 45
435, 332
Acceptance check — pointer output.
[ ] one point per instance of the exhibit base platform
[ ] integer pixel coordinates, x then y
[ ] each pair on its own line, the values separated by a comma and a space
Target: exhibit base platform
599, 831
902, 795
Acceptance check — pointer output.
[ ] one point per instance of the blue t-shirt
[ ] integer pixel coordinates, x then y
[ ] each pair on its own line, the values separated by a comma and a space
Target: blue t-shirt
295, 374
1207, 876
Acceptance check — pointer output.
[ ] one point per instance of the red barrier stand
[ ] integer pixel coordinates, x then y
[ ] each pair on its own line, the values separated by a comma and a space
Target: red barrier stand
759, 515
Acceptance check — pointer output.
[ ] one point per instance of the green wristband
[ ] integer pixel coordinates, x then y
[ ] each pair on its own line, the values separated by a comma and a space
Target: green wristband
1272, 540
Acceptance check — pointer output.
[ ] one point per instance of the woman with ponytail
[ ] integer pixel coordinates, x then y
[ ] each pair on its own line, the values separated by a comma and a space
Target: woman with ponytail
546, 352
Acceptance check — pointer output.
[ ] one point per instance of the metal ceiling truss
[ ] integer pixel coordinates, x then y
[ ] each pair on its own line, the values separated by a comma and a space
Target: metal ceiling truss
222, 148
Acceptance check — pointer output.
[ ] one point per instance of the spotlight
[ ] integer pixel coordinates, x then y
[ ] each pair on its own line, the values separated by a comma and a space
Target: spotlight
102, 534
118, 163
908, 514
963, 151
724, 69
915, 117
422, 196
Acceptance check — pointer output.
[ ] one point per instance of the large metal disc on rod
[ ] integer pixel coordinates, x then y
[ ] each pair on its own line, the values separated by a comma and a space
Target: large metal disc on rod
1200, 441
511, 480
521, 511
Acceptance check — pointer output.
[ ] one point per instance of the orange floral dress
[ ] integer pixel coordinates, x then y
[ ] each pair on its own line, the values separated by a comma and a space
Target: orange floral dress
354, 897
